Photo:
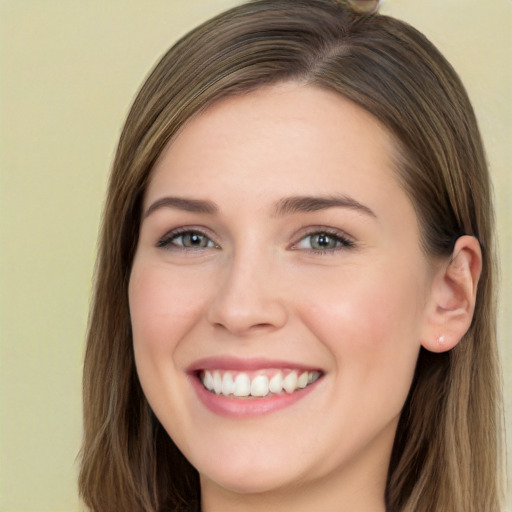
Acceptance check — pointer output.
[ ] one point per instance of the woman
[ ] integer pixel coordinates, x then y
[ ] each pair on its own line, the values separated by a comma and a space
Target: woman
294, 307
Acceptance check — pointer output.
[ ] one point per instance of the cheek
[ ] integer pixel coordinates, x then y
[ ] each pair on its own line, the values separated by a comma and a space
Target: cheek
164, 306
371, 323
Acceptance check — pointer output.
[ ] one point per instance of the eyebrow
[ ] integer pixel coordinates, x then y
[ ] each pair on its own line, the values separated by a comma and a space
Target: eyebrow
181, 203
285, 206
300, 204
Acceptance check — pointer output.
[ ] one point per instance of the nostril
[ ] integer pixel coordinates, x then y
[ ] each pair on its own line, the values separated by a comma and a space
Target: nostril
246, 315
248, 299
240, 326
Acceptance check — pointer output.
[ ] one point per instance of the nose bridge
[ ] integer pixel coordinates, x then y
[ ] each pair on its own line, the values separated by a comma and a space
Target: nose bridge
249, 296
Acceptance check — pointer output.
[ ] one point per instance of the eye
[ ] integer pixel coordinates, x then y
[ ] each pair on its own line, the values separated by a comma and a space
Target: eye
323, 241
186, 240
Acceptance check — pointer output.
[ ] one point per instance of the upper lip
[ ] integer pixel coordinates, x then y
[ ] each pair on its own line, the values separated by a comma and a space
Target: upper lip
245, 364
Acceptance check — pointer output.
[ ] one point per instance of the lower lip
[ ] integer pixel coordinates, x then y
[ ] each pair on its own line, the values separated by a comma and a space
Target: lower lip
247, 407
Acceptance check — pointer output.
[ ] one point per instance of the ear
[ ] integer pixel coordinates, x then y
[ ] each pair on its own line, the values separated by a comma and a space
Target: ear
453, 295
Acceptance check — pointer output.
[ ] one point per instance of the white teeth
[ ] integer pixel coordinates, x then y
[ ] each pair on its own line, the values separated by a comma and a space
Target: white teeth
303, 380
228, 385
208, 381
276, 383
260, 385
217, 382
242, 385
313, 377
290, 382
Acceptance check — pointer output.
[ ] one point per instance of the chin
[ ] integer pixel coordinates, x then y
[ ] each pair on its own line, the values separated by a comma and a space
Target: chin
247, 479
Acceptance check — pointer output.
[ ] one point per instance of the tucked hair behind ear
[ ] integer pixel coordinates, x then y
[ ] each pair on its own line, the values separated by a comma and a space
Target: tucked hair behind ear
445, 456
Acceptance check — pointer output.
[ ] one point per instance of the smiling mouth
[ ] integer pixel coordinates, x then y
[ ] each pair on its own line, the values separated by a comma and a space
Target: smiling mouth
257, 384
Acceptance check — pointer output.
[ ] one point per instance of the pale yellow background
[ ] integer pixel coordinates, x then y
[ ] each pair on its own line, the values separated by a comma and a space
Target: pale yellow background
68, 71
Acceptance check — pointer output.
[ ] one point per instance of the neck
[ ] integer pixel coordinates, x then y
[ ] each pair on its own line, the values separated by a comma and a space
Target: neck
310, 498
359, 487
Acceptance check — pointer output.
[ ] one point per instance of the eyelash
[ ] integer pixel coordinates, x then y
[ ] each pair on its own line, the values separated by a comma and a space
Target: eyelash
168, 240
340, 239
342, 242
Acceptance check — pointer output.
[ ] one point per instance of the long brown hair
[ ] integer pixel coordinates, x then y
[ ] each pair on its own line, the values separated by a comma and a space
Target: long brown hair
446, 451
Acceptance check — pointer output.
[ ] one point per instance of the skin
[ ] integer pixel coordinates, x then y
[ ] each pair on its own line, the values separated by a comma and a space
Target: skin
358, 312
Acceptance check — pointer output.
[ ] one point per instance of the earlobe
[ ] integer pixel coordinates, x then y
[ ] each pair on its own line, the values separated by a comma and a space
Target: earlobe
453, 296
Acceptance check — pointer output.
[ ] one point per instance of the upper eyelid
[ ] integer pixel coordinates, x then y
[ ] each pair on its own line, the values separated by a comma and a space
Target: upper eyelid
190, 229
182, 230
312, 230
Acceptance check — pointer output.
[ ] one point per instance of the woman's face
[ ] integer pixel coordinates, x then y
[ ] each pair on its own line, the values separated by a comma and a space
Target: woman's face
278, 294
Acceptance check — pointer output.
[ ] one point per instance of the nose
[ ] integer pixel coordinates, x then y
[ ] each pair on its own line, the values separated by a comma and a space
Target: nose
249, 298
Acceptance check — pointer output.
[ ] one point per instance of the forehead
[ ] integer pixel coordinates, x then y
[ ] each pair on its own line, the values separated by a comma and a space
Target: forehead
276, 141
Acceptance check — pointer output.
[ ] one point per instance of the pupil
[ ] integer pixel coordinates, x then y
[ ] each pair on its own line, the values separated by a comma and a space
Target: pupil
195, 239
323, 241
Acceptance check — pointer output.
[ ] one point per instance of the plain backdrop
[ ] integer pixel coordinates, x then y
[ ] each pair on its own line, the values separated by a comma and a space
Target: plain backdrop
68, 72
